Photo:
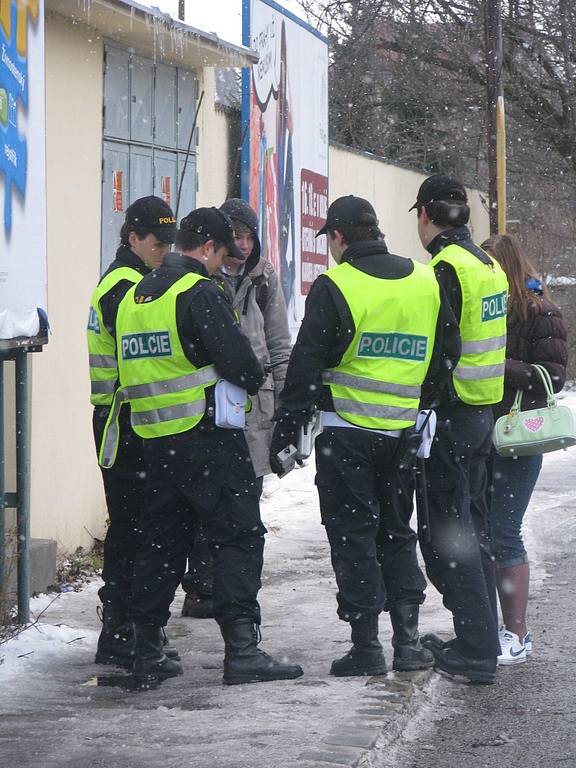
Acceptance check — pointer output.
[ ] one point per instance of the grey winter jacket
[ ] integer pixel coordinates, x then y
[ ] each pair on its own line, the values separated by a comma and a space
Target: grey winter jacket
259, 303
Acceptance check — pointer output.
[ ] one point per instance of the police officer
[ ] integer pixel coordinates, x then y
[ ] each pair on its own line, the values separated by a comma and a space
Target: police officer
176, 338
254, 291
373, 328
146, 234
458, 558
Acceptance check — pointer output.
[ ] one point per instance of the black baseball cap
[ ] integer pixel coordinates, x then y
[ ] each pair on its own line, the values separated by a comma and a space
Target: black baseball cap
212, 224
151, 214
440, 187
349, 211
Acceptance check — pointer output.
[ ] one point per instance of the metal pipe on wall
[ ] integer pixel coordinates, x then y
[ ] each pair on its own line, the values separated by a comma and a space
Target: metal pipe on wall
501, 164
2, 480
23, 485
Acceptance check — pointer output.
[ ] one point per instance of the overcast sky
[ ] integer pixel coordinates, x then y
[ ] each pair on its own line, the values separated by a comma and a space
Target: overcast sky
221, 16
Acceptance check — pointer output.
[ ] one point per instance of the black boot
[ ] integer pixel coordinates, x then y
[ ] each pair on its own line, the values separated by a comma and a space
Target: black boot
453, 663
366, 656
198, 606
244, 662
169, 651
116, 641
150, 659
430, 639
409, 653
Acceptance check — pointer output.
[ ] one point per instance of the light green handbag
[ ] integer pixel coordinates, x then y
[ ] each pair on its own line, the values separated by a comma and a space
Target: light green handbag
528, 433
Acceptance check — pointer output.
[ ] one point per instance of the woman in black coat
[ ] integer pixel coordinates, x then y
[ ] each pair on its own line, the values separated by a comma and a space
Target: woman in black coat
536, 334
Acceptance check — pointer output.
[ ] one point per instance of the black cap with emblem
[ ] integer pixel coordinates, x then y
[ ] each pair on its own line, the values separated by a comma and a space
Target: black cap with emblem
440, 188
349, 211
212, 224
151, 215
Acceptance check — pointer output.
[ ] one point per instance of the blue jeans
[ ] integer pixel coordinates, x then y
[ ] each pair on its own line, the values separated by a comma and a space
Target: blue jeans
511, 483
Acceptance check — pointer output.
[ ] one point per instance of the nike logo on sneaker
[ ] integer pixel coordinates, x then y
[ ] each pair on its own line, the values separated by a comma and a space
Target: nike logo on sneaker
517, 653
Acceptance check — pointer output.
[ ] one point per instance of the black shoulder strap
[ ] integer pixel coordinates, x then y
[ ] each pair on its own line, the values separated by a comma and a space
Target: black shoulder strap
471, 247
262, 295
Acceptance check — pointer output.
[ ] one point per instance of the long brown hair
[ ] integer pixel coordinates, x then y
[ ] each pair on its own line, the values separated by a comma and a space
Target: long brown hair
508, 253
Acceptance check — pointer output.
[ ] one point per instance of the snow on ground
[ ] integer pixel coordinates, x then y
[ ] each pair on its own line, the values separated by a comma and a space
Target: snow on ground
57, 703
58, 709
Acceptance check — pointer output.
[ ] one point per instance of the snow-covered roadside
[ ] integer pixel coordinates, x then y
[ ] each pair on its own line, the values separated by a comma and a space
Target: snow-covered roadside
295, 543
33, 648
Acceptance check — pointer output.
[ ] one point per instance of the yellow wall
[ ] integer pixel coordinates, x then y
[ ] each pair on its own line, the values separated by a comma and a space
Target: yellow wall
66, 494
392, 191
213, 147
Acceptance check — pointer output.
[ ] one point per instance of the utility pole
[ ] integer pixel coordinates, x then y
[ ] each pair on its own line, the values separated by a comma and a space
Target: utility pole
181, 9
495, 118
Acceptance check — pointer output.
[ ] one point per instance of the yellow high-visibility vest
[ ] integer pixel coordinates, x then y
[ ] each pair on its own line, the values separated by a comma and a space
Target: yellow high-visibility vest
479, 375
101, 344
165, 390
377, 384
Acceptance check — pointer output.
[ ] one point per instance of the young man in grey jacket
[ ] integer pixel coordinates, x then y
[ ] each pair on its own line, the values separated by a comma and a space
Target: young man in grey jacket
254, 291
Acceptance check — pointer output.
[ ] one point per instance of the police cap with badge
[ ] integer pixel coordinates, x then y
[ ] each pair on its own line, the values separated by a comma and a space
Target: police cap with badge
151, 215
212, 224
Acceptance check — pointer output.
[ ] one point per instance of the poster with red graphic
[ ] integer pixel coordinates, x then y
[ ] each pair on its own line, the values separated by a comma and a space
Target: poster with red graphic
285, 149
313, 208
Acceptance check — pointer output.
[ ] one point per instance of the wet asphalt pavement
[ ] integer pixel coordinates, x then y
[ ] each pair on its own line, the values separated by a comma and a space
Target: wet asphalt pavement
528, 718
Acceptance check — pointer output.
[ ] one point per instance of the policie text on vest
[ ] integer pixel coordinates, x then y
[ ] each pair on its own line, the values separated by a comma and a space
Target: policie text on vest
137, 345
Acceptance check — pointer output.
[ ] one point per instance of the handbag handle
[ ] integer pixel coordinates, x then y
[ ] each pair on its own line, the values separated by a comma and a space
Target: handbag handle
546, 380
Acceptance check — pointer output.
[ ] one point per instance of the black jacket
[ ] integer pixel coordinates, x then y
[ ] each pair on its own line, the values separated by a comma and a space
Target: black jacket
328, 329
541, 339
207, 330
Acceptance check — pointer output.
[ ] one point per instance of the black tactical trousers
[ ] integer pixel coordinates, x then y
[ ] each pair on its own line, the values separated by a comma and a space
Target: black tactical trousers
198, 577
367, 520
199, 478
124, 486
458, 558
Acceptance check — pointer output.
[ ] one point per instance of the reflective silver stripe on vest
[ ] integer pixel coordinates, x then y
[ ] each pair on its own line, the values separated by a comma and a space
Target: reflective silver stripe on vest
331, 419
112, 433
103, 387
376, 411
478, 372
369, 385
486, 345
170, 386
169, 413
103, 361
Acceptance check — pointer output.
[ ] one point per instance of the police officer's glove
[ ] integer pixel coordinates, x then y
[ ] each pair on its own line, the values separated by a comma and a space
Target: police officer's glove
285, 435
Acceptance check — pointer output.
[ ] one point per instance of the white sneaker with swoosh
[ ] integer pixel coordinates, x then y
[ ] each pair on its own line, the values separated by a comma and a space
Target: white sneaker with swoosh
513, 651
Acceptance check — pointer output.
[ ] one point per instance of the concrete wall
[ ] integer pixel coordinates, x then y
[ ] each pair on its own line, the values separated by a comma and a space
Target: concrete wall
392, 191
66, 495
213, 147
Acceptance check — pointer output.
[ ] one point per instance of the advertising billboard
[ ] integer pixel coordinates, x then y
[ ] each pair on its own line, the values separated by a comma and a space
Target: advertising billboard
285, 146
22, 168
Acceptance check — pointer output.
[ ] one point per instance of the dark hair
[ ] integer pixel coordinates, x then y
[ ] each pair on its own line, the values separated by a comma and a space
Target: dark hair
189, 241
240, 228
125, 233
508, 253
446, 213
358, 234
